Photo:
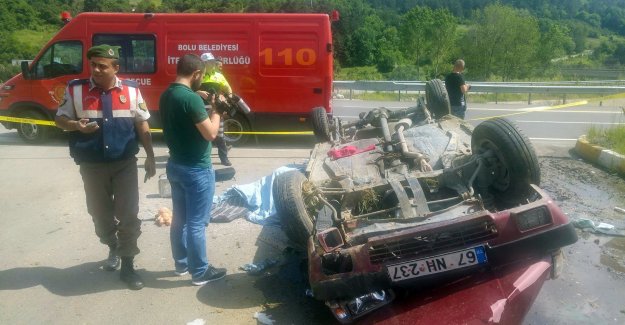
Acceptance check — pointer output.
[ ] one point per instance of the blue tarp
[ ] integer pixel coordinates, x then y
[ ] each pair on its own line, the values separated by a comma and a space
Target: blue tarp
258, 196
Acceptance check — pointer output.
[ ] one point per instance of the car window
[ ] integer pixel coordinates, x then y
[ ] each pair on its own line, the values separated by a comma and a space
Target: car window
137, 52
62, 58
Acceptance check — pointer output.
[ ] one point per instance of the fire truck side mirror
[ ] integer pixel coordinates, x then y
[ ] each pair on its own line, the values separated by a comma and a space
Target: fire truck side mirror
25, 70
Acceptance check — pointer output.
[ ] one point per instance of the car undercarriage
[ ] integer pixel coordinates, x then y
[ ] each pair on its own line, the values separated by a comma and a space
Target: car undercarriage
414, 198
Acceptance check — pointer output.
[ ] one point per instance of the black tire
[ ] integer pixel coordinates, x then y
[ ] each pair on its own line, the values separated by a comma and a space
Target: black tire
437, 98
287, 196
515, 165
320, 124
33, 133
238, 123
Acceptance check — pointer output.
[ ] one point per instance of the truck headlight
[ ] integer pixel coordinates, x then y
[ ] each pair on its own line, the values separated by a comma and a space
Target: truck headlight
533, 218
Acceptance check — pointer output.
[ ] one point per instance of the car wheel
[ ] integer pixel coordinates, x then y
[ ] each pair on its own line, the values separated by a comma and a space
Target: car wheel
321, 127
33, 133
289, 201
238, 123
437, 98
514, 165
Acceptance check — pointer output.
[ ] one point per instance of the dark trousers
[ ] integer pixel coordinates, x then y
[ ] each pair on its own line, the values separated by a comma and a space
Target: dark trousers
112, 192
222, 149
459, 111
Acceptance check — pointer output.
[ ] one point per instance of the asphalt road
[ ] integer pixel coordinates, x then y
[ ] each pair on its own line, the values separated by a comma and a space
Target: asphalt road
540, 121
50, 267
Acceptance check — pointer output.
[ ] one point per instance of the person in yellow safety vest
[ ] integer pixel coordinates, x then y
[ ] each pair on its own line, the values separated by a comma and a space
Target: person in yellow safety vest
215, 79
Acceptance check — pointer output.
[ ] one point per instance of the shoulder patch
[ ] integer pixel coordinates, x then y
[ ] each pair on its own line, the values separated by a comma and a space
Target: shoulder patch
75, 82
143, 106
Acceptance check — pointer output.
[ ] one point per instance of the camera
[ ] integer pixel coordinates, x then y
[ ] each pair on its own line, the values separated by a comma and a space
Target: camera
229, 104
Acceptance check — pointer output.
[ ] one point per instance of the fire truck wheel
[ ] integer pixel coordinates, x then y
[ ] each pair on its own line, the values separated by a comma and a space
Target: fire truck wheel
238, 123
33, 133
321, 128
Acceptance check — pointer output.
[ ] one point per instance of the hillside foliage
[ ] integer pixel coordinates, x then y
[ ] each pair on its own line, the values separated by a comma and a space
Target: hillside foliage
391, 39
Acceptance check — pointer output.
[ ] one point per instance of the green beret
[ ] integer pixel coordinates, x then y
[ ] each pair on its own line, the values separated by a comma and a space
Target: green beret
103, 51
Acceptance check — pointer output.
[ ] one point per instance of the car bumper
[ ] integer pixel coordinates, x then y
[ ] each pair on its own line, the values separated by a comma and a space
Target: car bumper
366, 278
500, 296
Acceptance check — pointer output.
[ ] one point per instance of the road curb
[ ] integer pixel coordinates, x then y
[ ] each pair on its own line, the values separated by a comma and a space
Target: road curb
600, 156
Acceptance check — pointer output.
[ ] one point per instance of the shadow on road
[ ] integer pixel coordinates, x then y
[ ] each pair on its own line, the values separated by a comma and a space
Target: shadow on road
280, 290
80, 279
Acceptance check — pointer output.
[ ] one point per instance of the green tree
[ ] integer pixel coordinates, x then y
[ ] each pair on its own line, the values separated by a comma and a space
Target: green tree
390, 56
555, 42
107, 6
18, 14
428, 36
353, 13
502, 41
365, 47
147, 6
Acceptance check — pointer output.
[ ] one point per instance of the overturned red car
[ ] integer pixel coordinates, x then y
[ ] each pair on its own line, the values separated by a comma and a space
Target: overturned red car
415, 199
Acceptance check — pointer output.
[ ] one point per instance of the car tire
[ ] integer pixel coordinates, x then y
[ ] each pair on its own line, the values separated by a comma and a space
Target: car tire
238, 123
289, 202
320, 124
33, 133
437, 98
514, 166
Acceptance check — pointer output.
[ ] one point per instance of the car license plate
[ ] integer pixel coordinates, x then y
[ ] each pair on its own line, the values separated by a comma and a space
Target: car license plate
437, 264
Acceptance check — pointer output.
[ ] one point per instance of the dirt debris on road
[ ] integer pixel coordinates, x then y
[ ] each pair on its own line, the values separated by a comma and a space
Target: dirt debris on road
590, 290
52, 258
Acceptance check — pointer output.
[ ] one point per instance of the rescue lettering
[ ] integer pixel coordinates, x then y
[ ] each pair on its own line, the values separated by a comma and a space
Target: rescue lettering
142, 81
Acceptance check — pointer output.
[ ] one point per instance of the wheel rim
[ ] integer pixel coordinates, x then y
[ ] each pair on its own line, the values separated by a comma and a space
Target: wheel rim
501, 172
232, 125
29, 131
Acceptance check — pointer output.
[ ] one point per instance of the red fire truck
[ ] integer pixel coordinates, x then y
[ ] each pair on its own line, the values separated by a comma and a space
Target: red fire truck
280, 64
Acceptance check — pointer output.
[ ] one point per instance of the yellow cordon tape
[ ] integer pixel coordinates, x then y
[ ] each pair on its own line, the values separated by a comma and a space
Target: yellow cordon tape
582, 102
51, 123
43, 122
256, 133
26, 120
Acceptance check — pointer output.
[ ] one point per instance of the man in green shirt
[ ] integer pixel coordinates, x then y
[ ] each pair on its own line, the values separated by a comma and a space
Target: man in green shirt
189, 130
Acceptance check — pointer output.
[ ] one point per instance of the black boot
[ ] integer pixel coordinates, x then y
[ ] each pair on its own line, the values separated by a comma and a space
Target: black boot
128, 274
112, 262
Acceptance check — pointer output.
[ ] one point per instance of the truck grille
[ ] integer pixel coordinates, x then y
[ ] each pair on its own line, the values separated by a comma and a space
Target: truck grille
434, 241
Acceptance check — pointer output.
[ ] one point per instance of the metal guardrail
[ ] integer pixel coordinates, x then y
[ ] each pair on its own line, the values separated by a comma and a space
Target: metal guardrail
611, 87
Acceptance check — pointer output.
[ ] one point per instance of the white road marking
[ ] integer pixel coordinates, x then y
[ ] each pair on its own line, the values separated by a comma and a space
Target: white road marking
542, 109
370, 108
564, 122
552, 139
520, 109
